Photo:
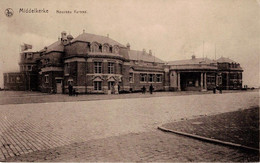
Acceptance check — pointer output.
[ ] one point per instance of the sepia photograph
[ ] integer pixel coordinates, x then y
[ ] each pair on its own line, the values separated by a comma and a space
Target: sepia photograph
129, 80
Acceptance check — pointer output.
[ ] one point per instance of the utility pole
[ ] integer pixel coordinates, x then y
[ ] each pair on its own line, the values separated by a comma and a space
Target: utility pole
203, 49
215, 51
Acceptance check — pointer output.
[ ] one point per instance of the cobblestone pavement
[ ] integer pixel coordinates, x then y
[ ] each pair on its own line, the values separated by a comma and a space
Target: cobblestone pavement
35, 128
23, 97
146, 147
240, 127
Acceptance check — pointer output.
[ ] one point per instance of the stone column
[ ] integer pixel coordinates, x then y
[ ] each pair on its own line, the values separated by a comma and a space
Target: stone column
201, 80
179, 81
205, 81
227, 82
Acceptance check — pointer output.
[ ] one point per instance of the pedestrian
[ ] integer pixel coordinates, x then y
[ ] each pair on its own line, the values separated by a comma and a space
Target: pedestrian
113, 89
70, 89
143, 90
151, 89
214, 89
220, 89
116, 88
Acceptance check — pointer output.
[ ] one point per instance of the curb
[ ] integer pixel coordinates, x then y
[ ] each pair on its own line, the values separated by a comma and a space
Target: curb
209, 139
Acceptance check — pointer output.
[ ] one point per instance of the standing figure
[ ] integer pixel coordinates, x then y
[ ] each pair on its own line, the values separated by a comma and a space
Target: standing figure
214, 89
220, 88
143, 90
113, 89
116, 88
151, 89
70, 89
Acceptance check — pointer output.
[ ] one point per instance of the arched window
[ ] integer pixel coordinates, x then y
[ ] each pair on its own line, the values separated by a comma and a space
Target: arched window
105, 48
116, 49
94, 47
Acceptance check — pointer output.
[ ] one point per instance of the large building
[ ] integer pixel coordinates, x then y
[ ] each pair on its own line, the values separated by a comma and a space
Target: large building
99, 64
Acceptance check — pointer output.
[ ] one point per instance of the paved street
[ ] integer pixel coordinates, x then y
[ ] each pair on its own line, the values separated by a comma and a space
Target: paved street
240, 127
32, 131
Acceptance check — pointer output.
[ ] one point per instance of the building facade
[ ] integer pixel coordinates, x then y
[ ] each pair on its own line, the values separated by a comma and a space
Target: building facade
99, 64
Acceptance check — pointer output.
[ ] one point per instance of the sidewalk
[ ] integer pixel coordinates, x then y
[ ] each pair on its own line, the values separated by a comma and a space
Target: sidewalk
20, 97
240, 127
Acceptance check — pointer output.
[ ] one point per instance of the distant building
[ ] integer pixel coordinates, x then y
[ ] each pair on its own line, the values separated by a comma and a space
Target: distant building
98, 64
230, 72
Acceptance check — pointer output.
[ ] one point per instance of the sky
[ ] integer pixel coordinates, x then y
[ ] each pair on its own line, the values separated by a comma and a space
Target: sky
172, 29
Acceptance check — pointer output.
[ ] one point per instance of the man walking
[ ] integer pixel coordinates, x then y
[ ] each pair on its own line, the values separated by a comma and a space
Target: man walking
151, 89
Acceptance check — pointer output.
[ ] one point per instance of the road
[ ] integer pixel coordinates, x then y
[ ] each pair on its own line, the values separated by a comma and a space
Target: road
32, 128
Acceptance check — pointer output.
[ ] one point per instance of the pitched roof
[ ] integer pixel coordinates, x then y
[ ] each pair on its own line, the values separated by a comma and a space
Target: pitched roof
225, 60
124, 53
88, 37
143, 56
192, 61
56, 46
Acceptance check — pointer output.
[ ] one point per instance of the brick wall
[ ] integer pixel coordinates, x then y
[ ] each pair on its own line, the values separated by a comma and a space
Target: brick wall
11, 82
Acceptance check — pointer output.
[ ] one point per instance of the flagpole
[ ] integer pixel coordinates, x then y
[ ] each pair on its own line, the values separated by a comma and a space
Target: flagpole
154, 57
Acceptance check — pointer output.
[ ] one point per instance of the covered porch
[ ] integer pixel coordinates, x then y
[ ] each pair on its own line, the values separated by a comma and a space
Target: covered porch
195, 81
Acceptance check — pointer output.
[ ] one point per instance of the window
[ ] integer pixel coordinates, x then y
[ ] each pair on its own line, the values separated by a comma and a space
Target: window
158, 78
110, 49
29, 55
131, 77
89, 47
12, 79
143, 77
105, 48
98, 67
7, 78
116, 49
67, 69
94, 47
150, 78
120, 69
29, 68
97, 85
111, 68
46, 78
18, 79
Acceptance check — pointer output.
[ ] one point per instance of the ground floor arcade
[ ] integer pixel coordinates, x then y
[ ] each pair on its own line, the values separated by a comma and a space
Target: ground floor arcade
193, 81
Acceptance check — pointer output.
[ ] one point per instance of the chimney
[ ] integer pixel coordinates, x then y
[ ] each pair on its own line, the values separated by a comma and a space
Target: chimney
150, 52
128, 46
83, 30
69, 37
144, 51
193, 57
63, 35
107, 35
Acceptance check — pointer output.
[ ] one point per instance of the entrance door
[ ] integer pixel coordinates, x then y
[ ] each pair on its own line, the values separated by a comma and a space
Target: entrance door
111, 85
58, 86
